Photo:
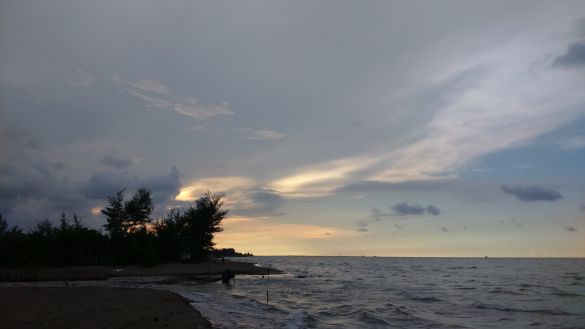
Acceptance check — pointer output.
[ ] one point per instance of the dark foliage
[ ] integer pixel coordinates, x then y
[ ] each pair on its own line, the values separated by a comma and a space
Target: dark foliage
133, 238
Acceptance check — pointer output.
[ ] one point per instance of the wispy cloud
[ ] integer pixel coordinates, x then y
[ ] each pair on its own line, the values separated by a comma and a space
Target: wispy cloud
492, 102
532, 193
571, 228
155, 94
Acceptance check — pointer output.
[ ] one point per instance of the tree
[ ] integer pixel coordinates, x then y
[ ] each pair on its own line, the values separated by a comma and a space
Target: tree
116, 214
138, 210
201, 222
3, 226
167, 232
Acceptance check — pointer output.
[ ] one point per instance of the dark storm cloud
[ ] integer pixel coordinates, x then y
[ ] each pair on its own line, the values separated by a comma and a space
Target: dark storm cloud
532, 193
574, 56
570, 228
118, 162
103, 184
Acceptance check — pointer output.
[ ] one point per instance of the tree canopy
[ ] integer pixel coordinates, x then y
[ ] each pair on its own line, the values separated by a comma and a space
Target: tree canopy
133, 236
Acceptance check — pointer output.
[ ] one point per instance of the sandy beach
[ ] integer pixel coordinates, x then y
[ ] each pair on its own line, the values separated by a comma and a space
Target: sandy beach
94, 308
101, 307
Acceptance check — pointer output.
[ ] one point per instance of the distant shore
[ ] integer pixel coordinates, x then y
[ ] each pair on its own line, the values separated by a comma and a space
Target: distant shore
93, 307
207, 271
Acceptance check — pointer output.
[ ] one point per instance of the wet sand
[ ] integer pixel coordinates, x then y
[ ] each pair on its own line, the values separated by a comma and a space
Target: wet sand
94, 308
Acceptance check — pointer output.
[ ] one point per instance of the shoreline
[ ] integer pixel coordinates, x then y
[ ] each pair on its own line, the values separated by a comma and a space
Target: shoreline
97, 307
207, 271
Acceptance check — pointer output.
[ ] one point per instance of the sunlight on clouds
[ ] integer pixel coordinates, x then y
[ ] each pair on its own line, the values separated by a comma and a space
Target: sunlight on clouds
495, 101
96, 210
320, 179
195, 189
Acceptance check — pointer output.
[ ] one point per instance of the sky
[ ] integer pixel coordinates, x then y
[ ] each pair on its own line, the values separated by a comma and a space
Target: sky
387, 128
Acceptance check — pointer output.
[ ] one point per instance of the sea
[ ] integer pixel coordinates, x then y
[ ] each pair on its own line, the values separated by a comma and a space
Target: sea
381, 292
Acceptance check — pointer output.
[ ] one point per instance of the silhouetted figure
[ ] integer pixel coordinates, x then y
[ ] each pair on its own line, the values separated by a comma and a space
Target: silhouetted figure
227, 276
222, 259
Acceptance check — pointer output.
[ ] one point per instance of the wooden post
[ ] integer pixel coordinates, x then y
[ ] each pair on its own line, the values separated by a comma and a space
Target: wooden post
269, 265
266, 297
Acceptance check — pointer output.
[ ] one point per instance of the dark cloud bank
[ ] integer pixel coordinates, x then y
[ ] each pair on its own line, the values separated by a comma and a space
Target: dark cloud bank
532, 193
575, 55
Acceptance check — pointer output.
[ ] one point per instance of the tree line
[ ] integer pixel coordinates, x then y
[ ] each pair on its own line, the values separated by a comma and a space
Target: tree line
132, 236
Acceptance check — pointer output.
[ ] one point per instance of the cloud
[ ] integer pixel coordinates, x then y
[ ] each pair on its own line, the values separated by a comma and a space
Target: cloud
119, 162
266, 135
242, 196
262, 202
81, 79
155, 94
532, 193
574, 56
582, 207
488, 103
320, 180
433, 210
226, 184
100, 185
403, 209
570, 228
444, 229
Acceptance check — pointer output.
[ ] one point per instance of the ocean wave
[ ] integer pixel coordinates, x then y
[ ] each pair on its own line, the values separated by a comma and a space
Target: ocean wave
296, 320
511, 309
